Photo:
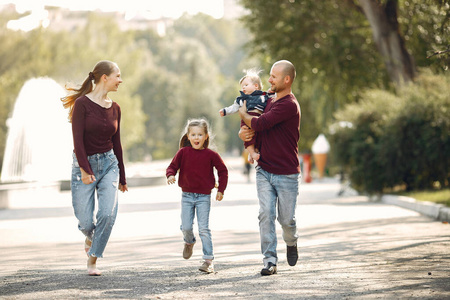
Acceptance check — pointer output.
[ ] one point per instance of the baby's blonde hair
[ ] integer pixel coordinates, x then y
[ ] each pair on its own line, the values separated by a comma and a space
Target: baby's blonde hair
253, 74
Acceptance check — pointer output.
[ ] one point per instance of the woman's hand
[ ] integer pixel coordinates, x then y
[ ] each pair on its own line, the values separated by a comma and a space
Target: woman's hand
123, 188
219, 196
171, 179
246, 134
86, 178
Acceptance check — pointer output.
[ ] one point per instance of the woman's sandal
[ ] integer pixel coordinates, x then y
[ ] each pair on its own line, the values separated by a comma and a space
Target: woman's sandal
87, 246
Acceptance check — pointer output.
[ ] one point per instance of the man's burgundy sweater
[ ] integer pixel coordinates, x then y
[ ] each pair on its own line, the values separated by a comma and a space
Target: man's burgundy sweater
278, 132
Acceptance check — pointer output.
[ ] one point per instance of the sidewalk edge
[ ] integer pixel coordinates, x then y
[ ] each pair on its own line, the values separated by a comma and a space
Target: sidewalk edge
430, 209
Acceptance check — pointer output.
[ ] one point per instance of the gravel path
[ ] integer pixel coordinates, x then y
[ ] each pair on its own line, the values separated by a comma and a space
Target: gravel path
350, 248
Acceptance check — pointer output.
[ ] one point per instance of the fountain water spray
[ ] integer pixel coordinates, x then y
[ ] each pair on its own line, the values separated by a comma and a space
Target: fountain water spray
39, 143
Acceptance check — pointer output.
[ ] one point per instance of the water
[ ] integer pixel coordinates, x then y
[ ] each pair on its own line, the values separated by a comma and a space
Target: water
39, 144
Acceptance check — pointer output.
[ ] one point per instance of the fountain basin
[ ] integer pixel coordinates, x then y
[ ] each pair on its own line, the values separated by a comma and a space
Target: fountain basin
27, 194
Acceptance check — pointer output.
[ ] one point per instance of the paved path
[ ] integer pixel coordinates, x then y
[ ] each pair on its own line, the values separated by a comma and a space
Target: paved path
350, 248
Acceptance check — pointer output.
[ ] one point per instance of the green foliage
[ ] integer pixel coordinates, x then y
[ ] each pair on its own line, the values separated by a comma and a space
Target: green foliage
191, 72
331, 45
194, 70
193, 75
396, 140
67, 58
422, 129
426, 35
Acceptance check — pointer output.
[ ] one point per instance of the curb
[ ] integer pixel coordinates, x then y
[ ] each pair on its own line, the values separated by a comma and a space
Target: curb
430, 209
131, 182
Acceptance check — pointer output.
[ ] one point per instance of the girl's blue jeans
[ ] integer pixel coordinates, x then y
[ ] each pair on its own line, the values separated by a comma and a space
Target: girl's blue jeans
200, 203
276, 193
106, 171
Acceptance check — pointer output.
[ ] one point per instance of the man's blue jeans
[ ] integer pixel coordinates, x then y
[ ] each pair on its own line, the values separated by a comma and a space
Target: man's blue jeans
106, 171
190, 203
276, 192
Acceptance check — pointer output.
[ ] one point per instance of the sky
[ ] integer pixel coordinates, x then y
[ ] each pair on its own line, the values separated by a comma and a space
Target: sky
152, 9
166, 8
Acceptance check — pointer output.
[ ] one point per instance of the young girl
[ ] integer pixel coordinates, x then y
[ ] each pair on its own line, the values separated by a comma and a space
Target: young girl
196, 179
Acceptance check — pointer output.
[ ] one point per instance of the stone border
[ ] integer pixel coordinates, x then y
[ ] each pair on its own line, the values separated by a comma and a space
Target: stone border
430, 209
16, 194
131, 182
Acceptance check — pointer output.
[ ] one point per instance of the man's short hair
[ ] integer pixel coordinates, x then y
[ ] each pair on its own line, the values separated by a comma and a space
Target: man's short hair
288, 68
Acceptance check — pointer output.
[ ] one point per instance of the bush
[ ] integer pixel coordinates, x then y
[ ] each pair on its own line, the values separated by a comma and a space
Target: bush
396, 139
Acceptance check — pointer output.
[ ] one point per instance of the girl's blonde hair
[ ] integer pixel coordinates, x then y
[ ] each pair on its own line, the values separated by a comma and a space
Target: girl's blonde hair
102, 67
184, 141
253, 74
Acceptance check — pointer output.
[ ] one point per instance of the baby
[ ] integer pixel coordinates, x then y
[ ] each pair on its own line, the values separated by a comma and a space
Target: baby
256, 103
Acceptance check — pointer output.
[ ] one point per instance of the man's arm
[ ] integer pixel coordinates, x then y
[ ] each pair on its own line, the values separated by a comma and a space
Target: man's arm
245, 132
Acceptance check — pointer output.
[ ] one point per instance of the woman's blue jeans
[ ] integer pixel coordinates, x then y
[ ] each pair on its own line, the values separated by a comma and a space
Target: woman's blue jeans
106, 171
282, 191
200, 203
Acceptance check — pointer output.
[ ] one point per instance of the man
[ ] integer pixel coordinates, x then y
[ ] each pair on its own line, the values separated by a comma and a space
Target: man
278, 170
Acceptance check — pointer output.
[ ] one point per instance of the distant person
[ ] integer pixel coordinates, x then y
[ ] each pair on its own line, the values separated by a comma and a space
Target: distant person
278, 170
196, 163
256, 101
97, 158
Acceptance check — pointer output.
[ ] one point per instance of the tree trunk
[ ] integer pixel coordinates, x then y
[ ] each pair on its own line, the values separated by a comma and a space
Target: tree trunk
390, 43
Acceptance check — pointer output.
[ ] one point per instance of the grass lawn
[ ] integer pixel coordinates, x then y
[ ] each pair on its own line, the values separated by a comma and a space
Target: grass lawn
437, 196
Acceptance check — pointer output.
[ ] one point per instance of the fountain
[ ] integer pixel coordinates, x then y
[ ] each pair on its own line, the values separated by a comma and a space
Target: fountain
39, 143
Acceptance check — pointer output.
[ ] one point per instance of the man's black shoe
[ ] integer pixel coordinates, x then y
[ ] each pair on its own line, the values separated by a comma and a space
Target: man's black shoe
269, 270
292, 255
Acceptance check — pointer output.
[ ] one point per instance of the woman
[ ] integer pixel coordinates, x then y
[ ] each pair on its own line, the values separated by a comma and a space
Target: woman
97, 158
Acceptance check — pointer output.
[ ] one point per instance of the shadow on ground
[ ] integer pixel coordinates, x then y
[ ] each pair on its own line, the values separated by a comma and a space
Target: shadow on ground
351, 260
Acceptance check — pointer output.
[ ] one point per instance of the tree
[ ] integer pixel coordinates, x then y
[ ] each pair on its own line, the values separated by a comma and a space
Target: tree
334, 47
187, 79
67, 58
383, 19
191, 72
330, 45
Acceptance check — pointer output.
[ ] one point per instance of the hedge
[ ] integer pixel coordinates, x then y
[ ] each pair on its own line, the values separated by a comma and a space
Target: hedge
397, 139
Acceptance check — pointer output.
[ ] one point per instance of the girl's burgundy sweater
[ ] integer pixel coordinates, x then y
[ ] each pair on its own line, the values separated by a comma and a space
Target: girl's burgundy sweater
197, 170
278, 132
96, 130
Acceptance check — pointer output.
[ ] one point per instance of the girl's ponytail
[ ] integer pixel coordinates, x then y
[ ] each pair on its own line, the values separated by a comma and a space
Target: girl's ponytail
69, 100
104, 67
